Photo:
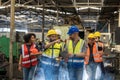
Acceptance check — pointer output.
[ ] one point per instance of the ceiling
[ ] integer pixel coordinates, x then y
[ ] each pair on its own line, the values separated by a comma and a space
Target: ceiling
89, 12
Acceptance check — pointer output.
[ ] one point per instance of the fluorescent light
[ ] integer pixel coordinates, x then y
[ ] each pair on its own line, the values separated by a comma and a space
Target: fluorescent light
96, 8
115, 12
83, 8
39, 8
90, 20
2, 7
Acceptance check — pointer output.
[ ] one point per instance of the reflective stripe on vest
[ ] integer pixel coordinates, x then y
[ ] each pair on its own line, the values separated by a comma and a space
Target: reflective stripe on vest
48, 63
78, 46
96, 54
76, 61
25, 62
23, 54
56, 50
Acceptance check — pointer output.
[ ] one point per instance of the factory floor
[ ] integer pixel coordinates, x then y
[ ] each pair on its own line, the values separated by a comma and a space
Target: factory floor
18, 75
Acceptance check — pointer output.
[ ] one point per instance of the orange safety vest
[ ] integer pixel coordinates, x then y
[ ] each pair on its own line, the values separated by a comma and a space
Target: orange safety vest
27, 60
96, 54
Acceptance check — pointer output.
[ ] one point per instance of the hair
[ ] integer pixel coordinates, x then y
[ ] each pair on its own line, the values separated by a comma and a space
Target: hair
28, 36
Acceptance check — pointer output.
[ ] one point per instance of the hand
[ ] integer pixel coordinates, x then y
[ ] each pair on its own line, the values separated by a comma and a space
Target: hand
57, 41
58, 59
81, 55
32, 54
19, 68
66, 59
70, 55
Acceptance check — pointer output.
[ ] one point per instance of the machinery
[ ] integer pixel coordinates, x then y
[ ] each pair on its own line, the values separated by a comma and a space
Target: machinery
3, 64
106, 38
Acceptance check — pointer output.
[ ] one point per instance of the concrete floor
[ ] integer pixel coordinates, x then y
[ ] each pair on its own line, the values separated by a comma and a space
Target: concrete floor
18, 75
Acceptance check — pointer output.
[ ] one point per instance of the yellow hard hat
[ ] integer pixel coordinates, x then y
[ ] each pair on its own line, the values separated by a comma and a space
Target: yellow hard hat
91, 35
51, 32
97, 34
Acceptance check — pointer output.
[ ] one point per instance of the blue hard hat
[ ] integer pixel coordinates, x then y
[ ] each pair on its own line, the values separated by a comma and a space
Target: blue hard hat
73, 29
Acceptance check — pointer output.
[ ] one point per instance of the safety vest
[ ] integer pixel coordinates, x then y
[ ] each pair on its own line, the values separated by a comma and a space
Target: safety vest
27, 60
77, 48
53, 51
96, 54
75, 62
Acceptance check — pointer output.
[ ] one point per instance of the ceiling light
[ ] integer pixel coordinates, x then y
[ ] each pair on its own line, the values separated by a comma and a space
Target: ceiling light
115, 12
96, 8
90, 21
2, 7
83, 8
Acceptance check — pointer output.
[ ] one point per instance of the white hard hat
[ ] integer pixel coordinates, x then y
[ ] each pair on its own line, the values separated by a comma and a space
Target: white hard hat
58, 31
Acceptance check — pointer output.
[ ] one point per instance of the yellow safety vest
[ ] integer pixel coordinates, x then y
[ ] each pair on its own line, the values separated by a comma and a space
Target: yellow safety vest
77, 48
53, 52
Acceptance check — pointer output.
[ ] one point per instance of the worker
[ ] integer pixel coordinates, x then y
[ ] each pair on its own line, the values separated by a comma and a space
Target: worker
49, 59
93, 57
63, 64
76, 52
100, 48
28, 57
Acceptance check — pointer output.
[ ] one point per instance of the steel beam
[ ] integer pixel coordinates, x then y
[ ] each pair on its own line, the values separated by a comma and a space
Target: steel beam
74, 4
71, 6
109, 26
88, 3
62, 6
19, 1
119, 18
6, 3
0, 2
28, 2
43, 20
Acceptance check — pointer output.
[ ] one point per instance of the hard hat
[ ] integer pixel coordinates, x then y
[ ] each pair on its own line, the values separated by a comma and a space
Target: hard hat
58, 31
73, 29
97, 34
51, 32
91, 35
34, 51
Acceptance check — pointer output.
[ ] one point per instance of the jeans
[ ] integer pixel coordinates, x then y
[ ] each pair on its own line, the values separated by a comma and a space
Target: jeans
39, 74
63, 71
75, 73
75, 68
94, 69
28, 73
50, 67
100, 71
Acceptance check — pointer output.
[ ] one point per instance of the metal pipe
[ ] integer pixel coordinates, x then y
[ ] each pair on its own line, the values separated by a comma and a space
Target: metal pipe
43, 20
5, 3
0, 2
28, 2
57, 15
88, 3
12, 28
109, 26
19, 1
119, 18
63, 6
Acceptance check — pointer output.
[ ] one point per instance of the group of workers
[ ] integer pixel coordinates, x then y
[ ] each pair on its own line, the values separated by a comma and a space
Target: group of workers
62, 60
